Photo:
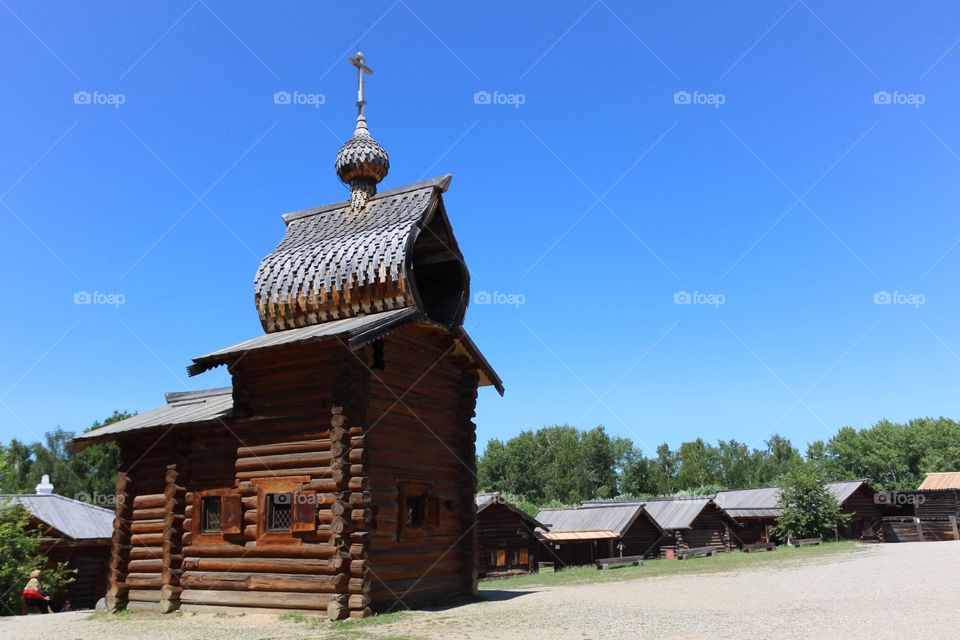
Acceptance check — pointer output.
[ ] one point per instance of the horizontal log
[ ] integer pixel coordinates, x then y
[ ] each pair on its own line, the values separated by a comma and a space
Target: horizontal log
146, 540
149, 501
279, 448
316, 566
157, 513
146, 526
153, 565
313, 472
143, 595
246, 581
254, 550
269, 600
284, 461
144, 581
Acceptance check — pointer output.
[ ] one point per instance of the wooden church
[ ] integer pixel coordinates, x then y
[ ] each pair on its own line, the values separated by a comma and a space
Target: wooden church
337, 472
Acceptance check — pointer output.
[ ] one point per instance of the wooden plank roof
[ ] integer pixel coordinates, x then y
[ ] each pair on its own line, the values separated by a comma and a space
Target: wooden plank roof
181, 408
940, 480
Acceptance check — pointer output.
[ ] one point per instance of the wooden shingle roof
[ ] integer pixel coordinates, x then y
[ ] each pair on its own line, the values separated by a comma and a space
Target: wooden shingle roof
339, 262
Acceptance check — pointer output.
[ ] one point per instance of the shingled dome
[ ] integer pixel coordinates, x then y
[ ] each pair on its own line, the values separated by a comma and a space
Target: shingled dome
336, 263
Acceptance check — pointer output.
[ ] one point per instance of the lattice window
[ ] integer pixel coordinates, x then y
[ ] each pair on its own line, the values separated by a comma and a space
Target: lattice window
279, 511
210, 517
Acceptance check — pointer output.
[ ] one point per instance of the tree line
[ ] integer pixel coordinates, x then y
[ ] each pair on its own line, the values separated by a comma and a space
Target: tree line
561, 465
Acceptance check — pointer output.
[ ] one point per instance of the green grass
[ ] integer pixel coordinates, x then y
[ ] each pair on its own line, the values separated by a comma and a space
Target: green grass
733, 561
106, 616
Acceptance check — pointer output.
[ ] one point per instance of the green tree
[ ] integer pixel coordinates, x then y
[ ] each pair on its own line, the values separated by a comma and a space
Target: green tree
19, 555
809, 510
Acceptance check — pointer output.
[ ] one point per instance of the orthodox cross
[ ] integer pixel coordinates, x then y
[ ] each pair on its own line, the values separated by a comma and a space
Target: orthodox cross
362, 68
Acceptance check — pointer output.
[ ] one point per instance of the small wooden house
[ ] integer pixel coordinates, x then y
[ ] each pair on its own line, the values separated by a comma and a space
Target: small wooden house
858, 499
505, 537
573, 537
337, 472
74, 532
755, 512
691, 523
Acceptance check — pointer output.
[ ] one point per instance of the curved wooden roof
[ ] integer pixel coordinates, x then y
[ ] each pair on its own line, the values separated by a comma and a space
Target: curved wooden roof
338, 262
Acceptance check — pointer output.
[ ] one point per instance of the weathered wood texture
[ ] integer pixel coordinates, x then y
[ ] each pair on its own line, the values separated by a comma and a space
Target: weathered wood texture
506, 542
314, 421
420, 431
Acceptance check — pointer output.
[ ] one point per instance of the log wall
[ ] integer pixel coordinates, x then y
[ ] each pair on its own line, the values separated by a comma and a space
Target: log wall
420, 433
313, 420
503, 533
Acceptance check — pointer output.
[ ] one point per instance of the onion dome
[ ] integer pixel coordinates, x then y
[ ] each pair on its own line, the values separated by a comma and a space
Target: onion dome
362, 163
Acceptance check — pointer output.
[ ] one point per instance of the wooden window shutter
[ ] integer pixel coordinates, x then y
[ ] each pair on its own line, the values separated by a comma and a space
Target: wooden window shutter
304, 516
432, 515
231, 514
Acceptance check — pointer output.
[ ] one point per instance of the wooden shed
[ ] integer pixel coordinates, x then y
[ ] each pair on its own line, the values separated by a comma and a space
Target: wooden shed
337, 472
505, 537
74, 532
858, 499
755, 512
573, 537
691, 523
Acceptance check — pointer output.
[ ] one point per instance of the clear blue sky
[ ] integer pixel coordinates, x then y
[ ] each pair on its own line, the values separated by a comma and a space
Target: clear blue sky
597, 200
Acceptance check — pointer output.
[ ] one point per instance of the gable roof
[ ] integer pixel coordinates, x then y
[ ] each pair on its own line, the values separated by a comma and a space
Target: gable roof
485, 500
940, 480
843, 489
73, 518
337, 262
181, 408
676, 513
595, 518
750, 503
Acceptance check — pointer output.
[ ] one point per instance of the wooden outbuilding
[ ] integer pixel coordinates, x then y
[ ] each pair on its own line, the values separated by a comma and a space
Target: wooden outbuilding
505, 537
337, 472
755, 512
858, 499
691, 523
74, 532
593, 531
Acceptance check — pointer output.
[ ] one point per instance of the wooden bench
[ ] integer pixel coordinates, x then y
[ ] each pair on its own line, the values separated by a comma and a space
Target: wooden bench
759, 546
606, 563
695, 552
807, 542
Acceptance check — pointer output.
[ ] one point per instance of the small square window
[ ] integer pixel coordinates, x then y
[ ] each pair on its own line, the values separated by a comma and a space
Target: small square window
279, 511
210, 517
416, 511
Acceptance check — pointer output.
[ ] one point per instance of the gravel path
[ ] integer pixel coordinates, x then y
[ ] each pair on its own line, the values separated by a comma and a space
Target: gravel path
883, 591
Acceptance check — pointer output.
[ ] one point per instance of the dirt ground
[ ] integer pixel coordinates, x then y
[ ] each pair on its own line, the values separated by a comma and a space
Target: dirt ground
880, 591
